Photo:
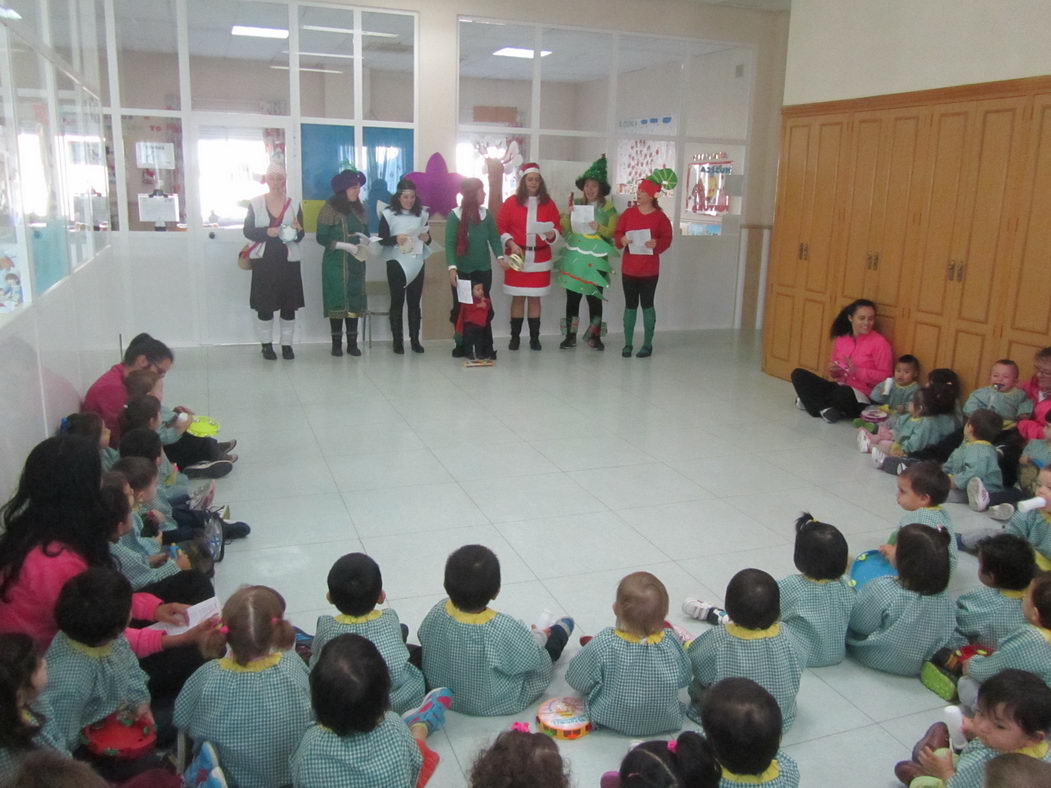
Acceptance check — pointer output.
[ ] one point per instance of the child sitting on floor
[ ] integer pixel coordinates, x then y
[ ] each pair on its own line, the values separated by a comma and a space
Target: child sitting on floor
518, 759
1035, 525
492, 663
922, 489
148, 534
91, 426
900, 622
1012, 715
816, 604
357, 739
631, 675
355, 587
1013, 770
1002, 395
253, 704
742, 723
687, 760
931, 417
976, 457
893, 396
1001, 505
25, 717
751, 644
988, 614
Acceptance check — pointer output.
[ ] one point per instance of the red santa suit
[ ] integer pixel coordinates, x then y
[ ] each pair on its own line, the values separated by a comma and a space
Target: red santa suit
513, 223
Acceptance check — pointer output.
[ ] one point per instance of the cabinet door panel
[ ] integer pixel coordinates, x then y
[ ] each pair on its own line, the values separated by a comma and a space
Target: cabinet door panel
777, 332
969, 356
791, 197
827, 168
867, 181
813, 328
926, 342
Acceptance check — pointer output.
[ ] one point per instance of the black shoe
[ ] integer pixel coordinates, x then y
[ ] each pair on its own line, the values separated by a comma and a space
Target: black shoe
287, 353
214, 469
626, 351
236, 530
514, 343
459, 352
399, 346
268, 352
414, 343
534, 343
831, 415
337, 346
569, 342
352, 345
596, 343
225, 447
644, 352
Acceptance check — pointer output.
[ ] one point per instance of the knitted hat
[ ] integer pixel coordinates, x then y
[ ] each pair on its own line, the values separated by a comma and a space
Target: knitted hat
596, 172
346, 179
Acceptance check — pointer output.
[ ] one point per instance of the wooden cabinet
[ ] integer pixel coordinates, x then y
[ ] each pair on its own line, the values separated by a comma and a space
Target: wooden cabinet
935, 205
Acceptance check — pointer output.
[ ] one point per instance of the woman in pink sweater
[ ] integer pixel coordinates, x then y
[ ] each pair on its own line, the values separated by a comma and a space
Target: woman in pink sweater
861, 359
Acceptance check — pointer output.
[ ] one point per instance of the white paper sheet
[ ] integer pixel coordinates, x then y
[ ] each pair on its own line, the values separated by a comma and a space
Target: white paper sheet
158, 209
637, 241
202, 611
581, 219
463, 291
540, 228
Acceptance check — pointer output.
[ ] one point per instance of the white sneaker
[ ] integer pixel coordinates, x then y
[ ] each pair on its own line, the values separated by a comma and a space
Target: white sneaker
864, 444
977, 495
799, 404
1002, 511
878, 457
704, 611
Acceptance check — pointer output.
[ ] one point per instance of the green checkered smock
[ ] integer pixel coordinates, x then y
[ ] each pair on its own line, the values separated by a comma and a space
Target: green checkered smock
933, 516
1038, 451
255, 715
108, 457
490, 661
970, 768
913, 434
987, 616
1035, 528
631, 684
134, 566
383, 628
764, 656
88, 684
385, 757
899, 398
815, 614
975, 458
896, 630
167, 431
47, 738
786, 775
1008, 405
133, 539
1027, 648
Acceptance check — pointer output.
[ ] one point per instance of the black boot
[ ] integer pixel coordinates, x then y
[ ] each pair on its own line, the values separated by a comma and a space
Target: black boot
534, 333
414, 332
516, 333
287, 352
352, 336
399, 345
336, 328
268, 352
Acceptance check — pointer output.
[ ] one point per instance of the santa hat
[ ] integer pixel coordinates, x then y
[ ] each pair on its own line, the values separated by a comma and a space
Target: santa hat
529, 167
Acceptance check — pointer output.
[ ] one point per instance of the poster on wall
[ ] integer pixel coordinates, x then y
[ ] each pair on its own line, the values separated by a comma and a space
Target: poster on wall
637, 158
154, 155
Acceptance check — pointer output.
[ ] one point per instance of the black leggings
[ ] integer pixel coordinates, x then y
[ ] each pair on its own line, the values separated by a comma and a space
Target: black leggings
573, 306
816, 394
402, 293
190, 449
286, 314
639, 289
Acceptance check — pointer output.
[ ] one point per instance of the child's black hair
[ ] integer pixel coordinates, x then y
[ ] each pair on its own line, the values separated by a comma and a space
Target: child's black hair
1040, 593
1008, 560
928, 478
141, 442
139, 471
18, 661
753, 599
911, 360
985, 424
655, 764
93, 607
472, 577
114, 501
1015, 770
86, 425
46, 768
1006, 362
155, 351
139, 412
821, 552
841, 325
355, 584
519, 759
1025, 698
944, 386
922, 558
743, 723
350, 685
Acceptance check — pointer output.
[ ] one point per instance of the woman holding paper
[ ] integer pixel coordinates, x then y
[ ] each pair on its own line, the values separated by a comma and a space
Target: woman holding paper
644, 233
404, 233
584, 266
275, 226
342, 229
528, 223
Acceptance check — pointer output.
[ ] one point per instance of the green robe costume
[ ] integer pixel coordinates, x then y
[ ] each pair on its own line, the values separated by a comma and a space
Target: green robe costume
342, 274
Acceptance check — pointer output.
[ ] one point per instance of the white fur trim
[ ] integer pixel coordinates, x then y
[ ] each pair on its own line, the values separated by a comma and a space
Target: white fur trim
532, 292
529, 170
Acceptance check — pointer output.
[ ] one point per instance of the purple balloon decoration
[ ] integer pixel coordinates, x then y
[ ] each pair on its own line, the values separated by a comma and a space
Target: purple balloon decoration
437, 188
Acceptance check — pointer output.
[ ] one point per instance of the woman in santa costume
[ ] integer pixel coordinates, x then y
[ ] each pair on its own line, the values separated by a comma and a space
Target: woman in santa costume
641, 261
528, 223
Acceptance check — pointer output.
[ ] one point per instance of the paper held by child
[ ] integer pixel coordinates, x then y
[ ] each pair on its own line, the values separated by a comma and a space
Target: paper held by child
637, 241
463, 291
202, 611
582, 218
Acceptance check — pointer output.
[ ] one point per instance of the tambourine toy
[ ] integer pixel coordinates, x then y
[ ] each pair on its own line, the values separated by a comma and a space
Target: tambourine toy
563, 718
868, 566
203, 427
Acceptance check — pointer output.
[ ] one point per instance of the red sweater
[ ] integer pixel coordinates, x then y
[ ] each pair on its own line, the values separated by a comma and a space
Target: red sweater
106, 397
660, 231
1033, 427
29, 606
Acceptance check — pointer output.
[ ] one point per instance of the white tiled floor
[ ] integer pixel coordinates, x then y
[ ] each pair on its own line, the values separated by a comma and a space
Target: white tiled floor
576, 468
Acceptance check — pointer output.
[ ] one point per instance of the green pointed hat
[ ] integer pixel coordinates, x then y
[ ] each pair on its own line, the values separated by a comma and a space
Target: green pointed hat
596, 172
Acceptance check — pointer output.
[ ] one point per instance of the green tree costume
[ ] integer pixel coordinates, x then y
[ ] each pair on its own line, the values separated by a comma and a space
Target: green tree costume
342, 274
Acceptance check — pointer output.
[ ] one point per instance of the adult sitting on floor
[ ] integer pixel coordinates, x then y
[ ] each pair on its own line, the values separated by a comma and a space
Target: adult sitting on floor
196, 457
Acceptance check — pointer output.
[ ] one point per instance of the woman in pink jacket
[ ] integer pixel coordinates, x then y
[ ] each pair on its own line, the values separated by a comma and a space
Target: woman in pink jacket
861, 359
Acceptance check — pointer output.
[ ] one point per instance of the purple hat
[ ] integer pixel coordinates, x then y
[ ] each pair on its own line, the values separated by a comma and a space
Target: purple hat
346, 179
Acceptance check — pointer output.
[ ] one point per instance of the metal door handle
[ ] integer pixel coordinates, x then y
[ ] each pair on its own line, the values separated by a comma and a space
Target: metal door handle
868, 261
959, 271
952, 271
875, 261
806, 251
800, 256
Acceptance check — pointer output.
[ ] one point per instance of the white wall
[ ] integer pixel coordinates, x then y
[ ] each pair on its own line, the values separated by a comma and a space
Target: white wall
841, 49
